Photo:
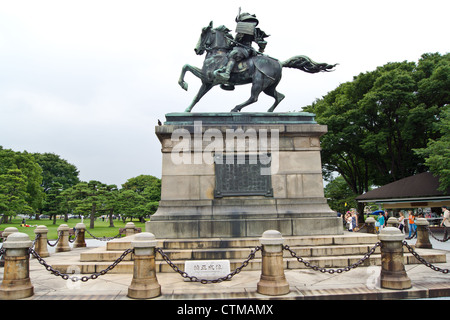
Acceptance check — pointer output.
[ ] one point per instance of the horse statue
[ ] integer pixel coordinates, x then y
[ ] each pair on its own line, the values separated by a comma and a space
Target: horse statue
262, 71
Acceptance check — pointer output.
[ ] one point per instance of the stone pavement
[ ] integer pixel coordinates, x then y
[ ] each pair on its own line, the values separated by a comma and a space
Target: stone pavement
305, 284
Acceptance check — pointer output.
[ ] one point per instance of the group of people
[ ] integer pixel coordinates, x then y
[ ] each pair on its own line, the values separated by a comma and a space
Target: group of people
351, 220
411, 221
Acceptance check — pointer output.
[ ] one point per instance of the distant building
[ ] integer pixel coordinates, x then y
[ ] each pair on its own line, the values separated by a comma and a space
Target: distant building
418, 191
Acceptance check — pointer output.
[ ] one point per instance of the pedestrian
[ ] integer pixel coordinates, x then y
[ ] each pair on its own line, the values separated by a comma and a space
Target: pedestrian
354, 219
401, 222
445, 220
412, 224
381, 220
386, 218
348, 219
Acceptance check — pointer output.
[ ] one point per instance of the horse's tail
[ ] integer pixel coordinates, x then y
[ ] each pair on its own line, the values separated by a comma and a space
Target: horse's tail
306, 64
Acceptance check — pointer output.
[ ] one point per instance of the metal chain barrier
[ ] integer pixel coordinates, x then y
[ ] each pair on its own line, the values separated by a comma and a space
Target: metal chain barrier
38, 235
422, 260
74, 239
358, 229
66, 276
338, 270
446, 237
103, 238
250, 257
57, 240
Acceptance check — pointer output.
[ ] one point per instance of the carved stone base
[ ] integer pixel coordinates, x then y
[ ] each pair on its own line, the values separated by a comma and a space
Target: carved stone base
203, 195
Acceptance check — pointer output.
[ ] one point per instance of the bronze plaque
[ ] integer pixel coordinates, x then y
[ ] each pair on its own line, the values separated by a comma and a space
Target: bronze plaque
243, 175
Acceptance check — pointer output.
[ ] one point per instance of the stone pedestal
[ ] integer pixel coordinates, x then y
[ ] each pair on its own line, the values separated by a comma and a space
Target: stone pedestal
370, 222
393, 274
16, 282
240, 174
273, 281
423, 234
80, 241
63, 243
41, 245
144, 284
130, 229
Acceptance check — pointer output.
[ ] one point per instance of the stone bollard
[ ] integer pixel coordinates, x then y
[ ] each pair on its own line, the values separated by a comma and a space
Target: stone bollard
370, 221
144, 284
273, 281
393, 274
40, 245
392, 222
63, 243
8, 231
80, 241
130, 229
423, 234
5, 235
16, 277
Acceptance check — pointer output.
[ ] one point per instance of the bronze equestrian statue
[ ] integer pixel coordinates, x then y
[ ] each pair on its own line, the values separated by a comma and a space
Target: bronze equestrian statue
231, 62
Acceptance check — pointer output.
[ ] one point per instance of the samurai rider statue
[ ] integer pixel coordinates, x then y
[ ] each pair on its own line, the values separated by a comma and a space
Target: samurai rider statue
246, 34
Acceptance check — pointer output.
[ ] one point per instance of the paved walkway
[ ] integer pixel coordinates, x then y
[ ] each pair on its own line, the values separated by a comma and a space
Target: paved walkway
305, 284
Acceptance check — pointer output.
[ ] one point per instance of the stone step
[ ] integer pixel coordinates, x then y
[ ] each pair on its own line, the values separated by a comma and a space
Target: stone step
347, 239
100, 254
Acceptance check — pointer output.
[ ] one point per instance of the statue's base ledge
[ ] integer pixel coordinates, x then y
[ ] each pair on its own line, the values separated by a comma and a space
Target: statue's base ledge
224, 118
234, 218
241, 228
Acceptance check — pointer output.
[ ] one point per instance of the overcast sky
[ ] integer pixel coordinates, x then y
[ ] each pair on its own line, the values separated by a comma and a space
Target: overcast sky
88, 79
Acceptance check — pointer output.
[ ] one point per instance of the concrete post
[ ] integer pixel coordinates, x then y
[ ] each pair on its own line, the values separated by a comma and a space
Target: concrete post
144, 284
393, 274
63, 243
16, 282
5, 235
130, 229
9, 231
273, 281
40, 245
80, 241
392, 222
423, 235
370, 221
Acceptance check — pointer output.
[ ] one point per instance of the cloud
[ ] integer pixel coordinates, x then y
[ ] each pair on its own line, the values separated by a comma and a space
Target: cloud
88, 79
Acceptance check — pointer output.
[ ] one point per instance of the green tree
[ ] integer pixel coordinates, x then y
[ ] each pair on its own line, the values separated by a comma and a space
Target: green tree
28, 166
56, 170
55, 202
57, 175
375, 122
131, 204
149, 187
13, 194
110, 204
87, 198
340, 197
437, 152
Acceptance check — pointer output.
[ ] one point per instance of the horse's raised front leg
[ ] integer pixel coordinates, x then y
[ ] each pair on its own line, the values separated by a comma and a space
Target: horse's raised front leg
201, 92
194, 70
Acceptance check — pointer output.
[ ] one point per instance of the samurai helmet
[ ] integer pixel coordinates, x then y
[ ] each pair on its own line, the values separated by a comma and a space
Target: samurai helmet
246, 17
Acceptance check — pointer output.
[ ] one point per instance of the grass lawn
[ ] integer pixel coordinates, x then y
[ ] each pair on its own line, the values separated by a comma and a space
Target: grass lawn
101, 228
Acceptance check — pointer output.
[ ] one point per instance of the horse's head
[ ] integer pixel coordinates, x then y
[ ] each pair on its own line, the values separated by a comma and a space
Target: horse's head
213, 38
205, 39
